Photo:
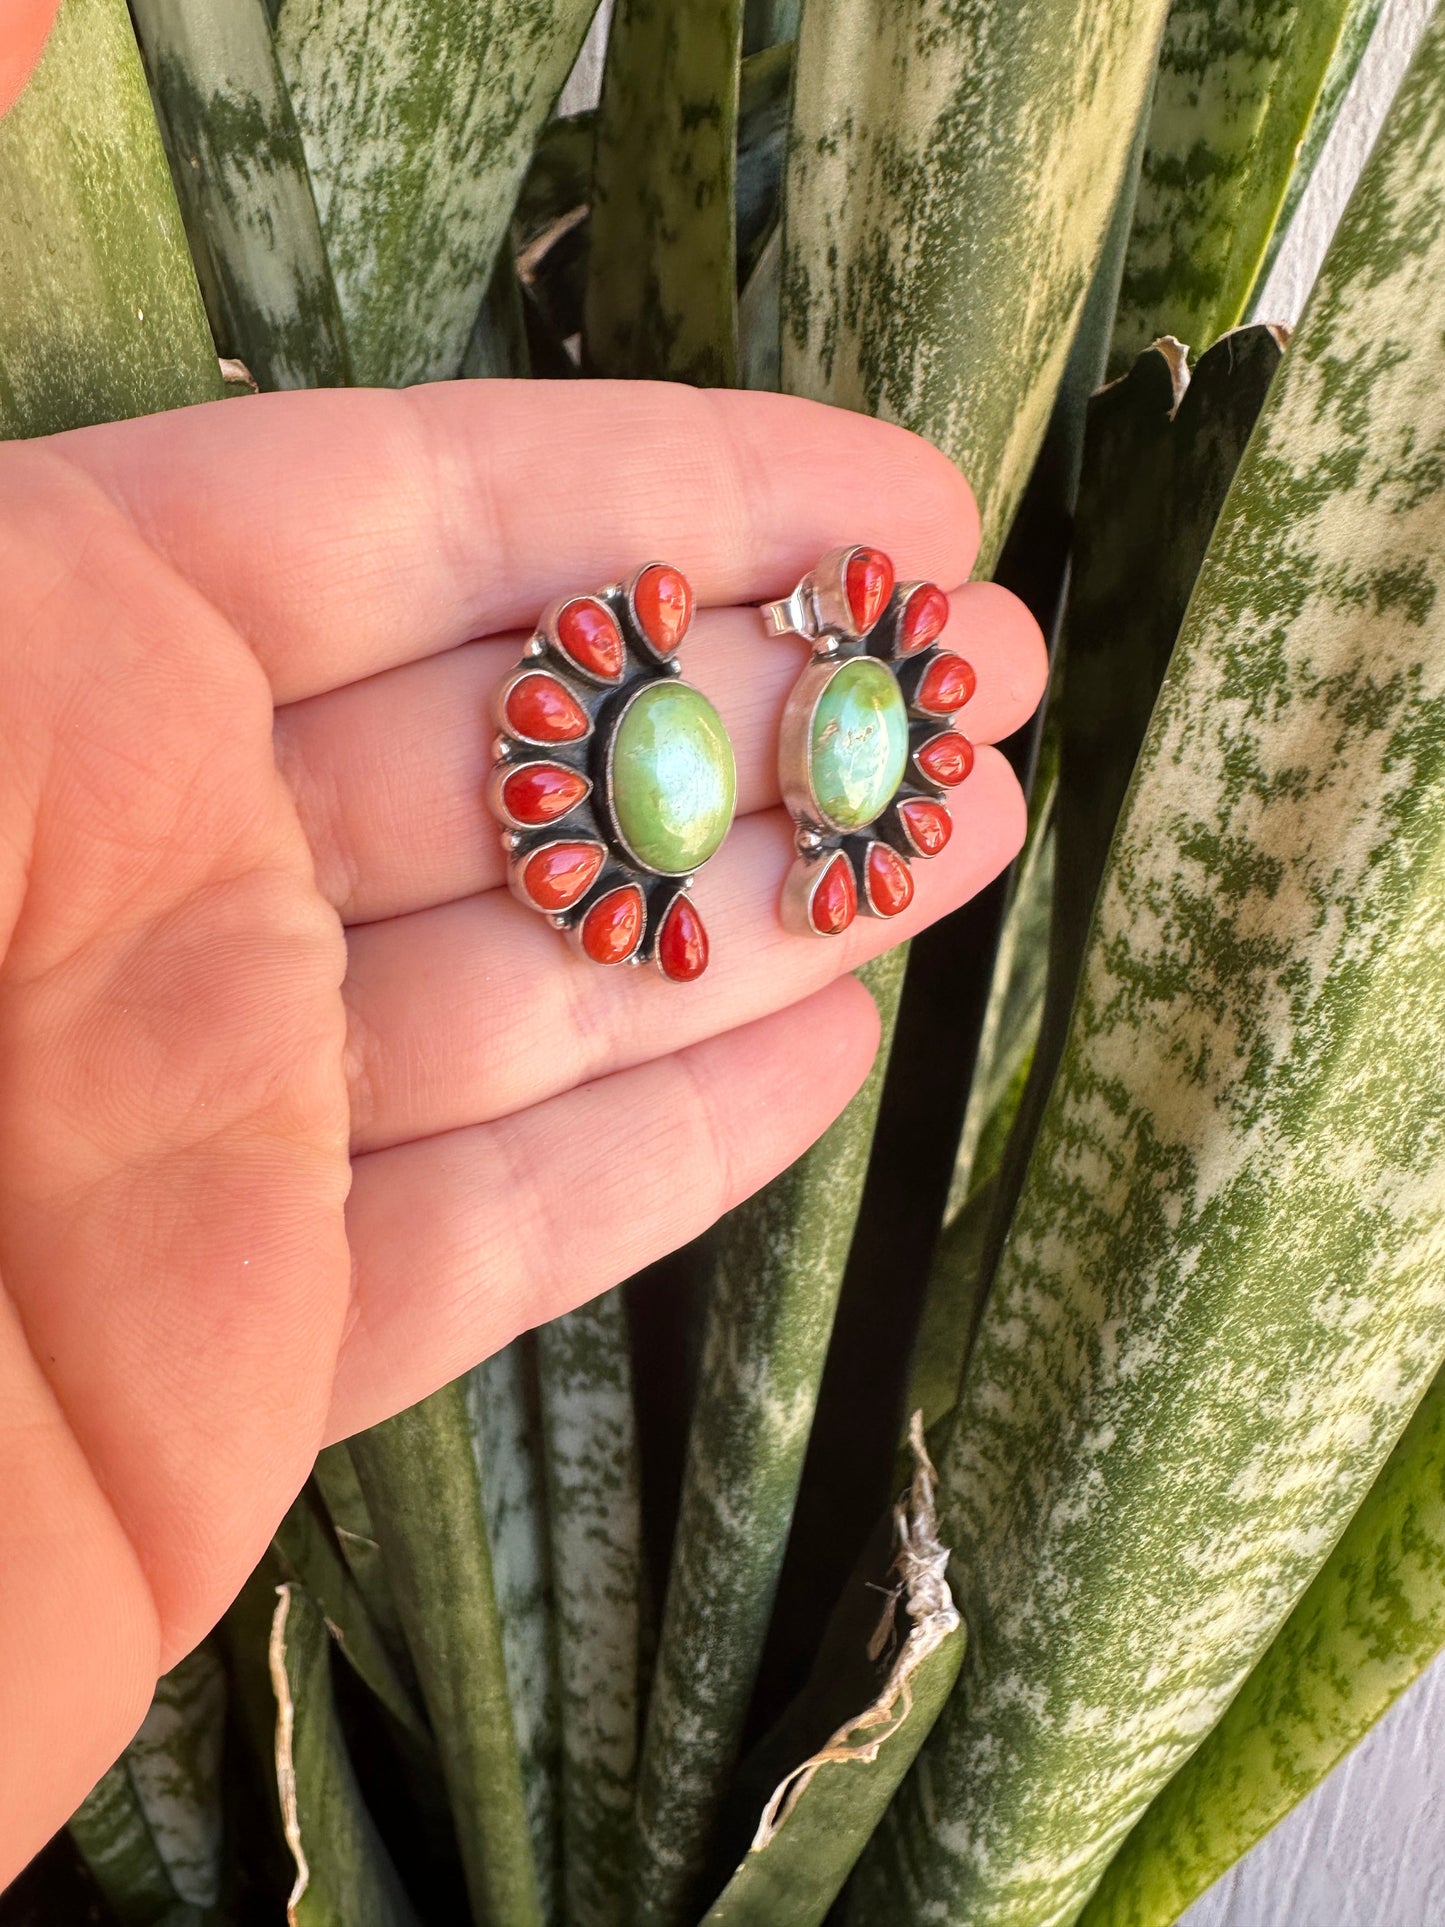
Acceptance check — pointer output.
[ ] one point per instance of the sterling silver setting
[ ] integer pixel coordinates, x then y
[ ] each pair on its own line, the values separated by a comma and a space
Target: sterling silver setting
552, 785
850, 606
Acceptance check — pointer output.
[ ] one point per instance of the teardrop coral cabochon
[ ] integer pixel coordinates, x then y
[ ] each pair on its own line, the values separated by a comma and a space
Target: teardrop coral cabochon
662, 604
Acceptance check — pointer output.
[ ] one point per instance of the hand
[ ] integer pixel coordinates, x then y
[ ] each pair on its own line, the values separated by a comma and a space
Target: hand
255, 951
22, 35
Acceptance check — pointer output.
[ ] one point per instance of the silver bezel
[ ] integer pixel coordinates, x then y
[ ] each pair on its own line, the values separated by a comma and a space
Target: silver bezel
502, 773
517, 861
535, 665
801, 886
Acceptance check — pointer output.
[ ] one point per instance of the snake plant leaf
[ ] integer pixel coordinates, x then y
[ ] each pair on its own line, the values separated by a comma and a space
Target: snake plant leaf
100, 314
1223, 1292
760, 348
506, 1431
340, 1489
307, 1548
819, 1817
558, 183
423, 1487
662, 281
773, 1295
928, 135
344, 1875
768, 23
1356, 32
150, 1832
763, 102
240, 175
1370, 1623
594, 1509
1239, 87
419, 118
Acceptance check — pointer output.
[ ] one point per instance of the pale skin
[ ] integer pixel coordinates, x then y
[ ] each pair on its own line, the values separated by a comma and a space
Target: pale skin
301, 1114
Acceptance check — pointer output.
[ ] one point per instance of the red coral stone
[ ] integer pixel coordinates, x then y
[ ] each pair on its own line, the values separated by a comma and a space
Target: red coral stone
924, 620
835, 900
929, 825
947, 684
662, 599
589, 635
890, 881
612, 928
946, 759
555, 876
541, 792
869, 583
539, 708
682, 947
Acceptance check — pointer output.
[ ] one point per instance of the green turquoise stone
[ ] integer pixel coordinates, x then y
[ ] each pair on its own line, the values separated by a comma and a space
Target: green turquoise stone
859, 749
674, 781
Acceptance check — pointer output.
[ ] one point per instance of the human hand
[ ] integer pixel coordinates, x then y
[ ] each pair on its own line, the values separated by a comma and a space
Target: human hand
22, 35
256, 948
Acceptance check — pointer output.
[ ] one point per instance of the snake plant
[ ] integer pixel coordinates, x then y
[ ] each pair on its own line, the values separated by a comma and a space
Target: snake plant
1170, 1528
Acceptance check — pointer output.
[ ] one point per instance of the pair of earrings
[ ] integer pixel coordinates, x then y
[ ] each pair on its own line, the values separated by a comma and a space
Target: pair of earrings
615, 780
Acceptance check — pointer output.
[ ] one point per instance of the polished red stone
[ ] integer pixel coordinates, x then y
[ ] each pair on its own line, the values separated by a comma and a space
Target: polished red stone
835, 900
662, 599
929, 825
869, 583
946, 759
947, 684
589, 635
555, 876
890, 881
539, 708
541, 792
612, 928
924, 620
682, 947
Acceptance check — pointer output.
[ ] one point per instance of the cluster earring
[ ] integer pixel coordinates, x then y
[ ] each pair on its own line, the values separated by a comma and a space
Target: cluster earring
868, 750
614, 779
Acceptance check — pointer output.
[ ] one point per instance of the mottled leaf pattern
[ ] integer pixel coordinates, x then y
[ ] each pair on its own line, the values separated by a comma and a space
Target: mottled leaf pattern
594, 1508
662, 291
501, 1402
151, 1831
774, 1293
928, 137
240, 173
344, 1875
423, 1488
419, 118
100, 315
1239, 84
1371, 1622
1225, 1288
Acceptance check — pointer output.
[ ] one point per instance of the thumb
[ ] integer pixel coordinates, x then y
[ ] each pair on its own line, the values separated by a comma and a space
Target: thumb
23, 27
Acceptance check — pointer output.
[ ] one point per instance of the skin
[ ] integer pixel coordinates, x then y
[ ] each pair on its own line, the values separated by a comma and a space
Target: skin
301, 1114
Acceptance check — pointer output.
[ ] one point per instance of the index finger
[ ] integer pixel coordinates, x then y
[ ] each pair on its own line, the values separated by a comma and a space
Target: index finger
345, 532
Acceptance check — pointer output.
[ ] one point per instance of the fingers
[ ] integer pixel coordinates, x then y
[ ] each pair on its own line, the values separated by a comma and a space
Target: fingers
478, 1009
23, 29
468, 1239
390, 774
346, 533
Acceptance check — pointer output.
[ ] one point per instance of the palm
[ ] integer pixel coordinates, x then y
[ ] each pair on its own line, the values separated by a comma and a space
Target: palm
245, 737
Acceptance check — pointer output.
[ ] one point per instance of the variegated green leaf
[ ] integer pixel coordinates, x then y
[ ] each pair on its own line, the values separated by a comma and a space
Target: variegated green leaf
240, 174
759, 319
100, 315
419, 118
928, 137
774, 1293
344, 1875
309, 1553
423, 1486
594, 1509
336, 1480
662, 285
1356, 32
1240, 87
151, 1831
1224, 1289
820, 1816
505, 1424
1371, 1622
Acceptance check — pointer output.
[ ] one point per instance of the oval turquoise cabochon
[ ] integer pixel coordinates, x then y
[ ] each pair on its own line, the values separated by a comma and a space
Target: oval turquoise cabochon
674, 781
859, 746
